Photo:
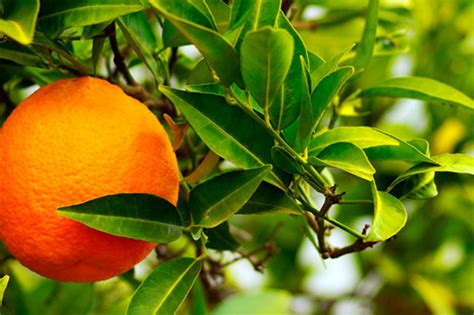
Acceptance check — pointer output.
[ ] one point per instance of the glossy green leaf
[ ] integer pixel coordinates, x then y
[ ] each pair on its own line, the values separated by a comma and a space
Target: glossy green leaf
268, 199
265, 58
257, 13
265, 302
366, 45
214, 201
165, 289
452, 163
219, 54
221, 13
347, 157
285, 161
19, 19
288, 100
315, 62
219, 238
420, 88
326, 68
204, 8
19, 54
390, 216
299, 133
3, 287
420, 186
227, 130
139, 216
327, 89
56, 16
198, 303
363, 137
406, 151
139, 34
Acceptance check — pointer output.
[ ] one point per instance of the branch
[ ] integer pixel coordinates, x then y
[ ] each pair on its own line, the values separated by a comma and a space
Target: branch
118, 58
357, 246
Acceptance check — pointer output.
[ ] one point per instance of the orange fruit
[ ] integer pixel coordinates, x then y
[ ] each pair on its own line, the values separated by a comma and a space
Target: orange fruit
72, 141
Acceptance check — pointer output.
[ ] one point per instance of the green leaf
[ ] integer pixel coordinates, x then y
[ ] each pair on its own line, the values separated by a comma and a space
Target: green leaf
363, 137
19, 54
408, 151
217, 199
165, 289
326, 68
227, 130
198, 304
257, 13
139, 34
265, 302
219, 238
3, 287
18, 20
265, 58
285, 161
299, 133
327, 89
452, 163
420, 186
220, 55
390, 216
269, 199
288, 100
221, 13
56, 16
365, 48
420, 88
139, 216
347, 157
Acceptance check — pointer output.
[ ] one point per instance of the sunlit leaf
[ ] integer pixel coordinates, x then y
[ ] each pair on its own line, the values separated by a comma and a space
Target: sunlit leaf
56, 16
420, 186
420, 88
3, 287
452, 163
366, 45
18, 20
327, 89
347, 157
390, 216
217, 199
165, 289
139, 216
363, 137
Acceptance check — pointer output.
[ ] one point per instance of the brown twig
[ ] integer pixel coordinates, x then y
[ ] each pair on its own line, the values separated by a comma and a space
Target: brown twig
118, 57
357, 246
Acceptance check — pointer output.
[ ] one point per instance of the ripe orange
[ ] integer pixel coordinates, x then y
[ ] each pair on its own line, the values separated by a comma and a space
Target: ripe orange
72, 141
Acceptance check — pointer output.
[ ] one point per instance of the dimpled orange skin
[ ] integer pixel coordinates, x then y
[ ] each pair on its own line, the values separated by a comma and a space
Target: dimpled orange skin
72, 141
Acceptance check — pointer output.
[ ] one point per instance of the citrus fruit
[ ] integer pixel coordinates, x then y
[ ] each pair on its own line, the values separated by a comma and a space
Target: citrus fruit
71, 141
